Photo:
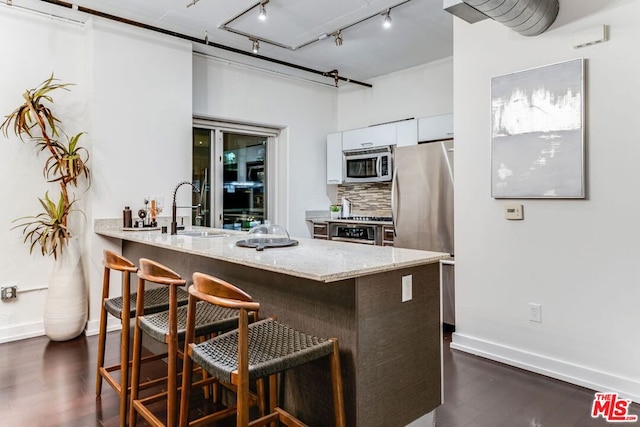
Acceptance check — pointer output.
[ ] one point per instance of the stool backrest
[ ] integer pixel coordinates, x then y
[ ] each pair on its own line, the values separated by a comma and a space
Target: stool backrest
155, 272
114, 261
218, 292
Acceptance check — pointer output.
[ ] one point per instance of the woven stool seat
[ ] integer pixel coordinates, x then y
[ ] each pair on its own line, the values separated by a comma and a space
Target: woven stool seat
209, 319
254, 351
273, 347
169, 327
155, 301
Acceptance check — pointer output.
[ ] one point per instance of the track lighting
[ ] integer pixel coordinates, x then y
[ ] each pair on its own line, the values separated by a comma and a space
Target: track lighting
387, 19
256, 46
338, 37
192, 3
262, 15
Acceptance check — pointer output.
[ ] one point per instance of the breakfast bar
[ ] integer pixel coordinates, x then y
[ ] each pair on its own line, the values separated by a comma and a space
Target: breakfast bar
382, 303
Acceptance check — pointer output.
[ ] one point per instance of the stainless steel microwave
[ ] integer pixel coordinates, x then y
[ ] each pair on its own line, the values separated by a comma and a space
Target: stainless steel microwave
370, 165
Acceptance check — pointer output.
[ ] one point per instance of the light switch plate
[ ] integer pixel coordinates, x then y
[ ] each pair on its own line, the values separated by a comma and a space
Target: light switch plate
407, 288
513, 211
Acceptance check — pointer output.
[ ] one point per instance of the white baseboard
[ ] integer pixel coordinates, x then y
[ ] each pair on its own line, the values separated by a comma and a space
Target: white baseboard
30, 330
21, 332
558, 369
93, 326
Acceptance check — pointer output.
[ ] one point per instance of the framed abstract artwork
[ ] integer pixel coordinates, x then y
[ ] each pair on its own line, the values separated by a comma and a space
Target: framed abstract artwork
537, 132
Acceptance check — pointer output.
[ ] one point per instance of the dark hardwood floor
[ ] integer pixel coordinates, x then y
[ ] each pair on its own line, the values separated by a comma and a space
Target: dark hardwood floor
482, 393
44, 383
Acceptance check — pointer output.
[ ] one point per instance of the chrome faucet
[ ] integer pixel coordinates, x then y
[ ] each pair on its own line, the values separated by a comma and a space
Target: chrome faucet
174, 208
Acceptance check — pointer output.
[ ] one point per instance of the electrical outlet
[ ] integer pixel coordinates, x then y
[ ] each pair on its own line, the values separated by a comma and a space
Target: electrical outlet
9, 292
407, 288
535, 312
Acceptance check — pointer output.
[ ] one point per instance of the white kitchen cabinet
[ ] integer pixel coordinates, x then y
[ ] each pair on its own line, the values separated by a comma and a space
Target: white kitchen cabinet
369, 137
334, 158
435, 127
407, 133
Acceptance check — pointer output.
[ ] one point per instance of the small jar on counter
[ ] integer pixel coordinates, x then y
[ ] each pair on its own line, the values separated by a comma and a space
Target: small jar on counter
126, 217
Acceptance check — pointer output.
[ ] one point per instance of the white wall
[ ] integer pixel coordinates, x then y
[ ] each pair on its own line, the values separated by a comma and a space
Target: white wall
141, 129
305, 111
33, 48
578, 258
132, 97
421, 91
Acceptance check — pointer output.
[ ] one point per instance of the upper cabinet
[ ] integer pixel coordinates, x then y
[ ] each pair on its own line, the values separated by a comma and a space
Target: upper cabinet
400, 133
407, 133
435, 128
334, 158
372, 136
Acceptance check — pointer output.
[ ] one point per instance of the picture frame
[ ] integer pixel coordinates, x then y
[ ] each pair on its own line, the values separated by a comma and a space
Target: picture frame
537, 132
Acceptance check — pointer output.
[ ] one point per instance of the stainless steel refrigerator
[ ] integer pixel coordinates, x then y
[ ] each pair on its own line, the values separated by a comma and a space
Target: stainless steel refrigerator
422, 208
422, 196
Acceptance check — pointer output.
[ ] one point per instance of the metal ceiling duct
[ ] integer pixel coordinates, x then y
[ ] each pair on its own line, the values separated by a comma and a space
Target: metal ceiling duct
527, 17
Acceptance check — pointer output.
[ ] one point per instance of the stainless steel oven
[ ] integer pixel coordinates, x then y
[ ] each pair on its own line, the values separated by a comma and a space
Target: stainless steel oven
370, 165
355, 233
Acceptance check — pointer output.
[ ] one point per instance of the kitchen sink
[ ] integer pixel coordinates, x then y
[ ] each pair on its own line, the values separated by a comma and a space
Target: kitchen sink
202, 233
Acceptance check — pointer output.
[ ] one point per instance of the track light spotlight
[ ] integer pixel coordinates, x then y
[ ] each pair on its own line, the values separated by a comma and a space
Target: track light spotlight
262, 15
338, 37
387, 19
256, 46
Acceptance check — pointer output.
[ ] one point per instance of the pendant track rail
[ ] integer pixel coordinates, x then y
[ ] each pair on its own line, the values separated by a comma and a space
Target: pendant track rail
329, 74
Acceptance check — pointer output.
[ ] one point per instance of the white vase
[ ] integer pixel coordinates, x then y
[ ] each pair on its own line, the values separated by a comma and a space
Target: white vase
66, 306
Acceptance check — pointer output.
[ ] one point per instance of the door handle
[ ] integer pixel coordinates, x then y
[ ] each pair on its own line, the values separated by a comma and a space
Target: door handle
394, 202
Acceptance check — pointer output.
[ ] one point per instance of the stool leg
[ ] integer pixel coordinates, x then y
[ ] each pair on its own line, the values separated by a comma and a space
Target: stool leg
137, 350
187, 370
103, 331
124, 350
260, 392
273, 396
336, 382
172, 347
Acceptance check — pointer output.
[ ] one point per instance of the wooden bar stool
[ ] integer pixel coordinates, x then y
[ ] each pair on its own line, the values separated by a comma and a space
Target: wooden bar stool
169, 327
258, 350
155, 300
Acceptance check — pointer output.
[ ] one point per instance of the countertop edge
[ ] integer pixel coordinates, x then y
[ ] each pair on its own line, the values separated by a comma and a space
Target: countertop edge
143, 237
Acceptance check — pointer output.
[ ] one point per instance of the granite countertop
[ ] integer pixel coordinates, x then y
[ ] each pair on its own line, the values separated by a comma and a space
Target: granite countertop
315, 259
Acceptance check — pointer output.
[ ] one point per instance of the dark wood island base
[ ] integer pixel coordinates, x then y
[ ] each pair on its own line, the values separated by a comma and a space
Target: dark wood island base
390, 350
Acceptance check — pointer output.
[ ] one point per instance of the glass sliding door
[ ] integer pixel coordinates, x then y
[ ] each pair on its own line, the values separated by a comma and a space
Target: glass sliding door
244, 167
235, 164
201, 176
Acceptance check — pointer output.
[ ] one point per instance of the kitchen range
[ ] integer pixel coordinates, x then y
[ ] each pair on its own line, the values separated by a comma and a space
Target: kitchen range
369, 230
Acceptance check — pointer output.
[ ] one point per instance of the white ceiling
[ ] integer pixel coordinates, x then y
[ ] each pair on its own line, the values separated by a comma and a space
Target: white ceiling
421, 31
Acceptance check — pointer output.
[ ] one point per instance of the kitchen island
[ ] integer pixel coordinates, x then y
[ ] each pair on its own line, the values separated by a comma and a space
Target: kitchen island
390, 350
